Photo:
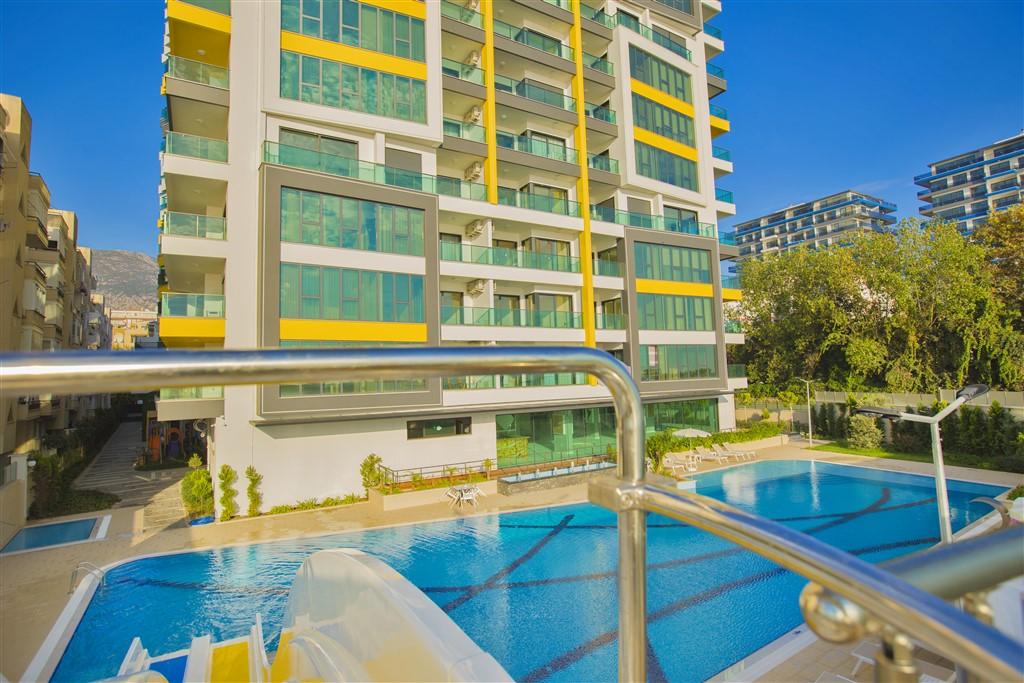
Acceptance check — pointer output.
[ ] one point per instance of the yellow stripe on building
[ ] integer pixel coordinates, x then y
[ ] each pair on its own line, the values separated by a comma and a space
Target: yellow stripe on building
352, 330
191, 331
583, 184
413, 8
356, 56
490, 105
667, 144
673, 288
729, 294
661, 98
718, 126
200, 16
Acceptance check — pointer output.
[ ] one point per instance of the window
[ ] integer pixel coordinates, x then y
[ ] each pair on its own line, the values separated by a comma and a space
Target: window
429, 429
659, 74
450, 246
678, 361
353, 23
680, 313
658, 164
323, 293
334, 388
329, 220
676, 264
659, 119
352, 88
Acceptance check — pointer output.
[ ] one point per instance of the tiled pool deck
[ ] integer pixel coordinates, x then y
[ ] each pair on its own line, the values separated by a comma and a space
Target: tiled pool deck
33, 587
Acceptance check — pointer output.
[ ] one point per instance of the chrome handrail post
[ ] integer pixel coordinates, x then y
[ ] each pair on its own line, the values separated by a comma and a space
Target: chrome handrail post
894, 661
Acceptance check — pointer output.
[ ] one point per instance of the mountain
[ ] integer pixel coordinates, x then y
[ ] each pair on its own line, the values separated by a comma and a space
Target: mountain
127, 279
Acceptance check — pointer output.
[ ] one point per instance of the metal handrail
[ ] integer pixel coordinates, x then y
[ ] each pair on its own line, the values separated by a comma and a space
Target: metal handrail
89, 568
891, 600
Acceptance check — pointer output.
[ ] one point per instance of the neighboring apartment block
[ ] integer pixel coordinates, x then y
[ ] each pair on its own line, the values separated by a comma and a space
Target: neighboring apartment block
128, 327
966, 188
817, 223
338, 173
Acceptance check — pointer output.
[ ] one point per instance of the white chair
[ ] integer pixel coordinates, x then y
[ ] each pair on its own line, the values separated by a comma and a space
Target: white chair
727, 452
684, 461
454, 496
469, 494
705, 454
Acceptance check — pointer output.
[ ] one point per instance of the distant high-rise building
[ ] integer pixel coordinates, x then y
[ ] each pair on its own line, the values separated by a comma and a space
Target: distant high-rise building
817, 223
968, 187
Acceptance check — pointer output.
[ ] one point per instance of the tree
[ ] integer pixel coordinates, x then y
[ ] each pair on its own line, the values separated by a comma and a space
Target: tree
252, 491
370, 471
1002, 235
228, 506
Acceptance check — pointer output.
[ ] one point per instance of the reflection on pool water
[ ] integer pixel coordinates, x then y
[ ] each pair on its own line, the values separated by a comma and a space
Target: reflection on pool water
537, 589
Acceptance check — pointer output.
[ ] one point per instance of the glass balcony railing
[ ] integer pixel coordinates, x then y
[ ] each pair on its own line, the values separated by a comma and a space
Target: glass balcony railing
192, 225
599, 112
185, 145
721, 153
549, 379
466, 131
689, 227
599, 63
737, 370
461, 14
607, 268
733, 326
197, 72
656, 36
713, 31
464, 72
716, 71
539, 41
537, 146
635, 219
720, 112
610, 321
346, 167
526, 200
727, 237
730, 282
597, 15
191, 393
534, 92
505, 317
514, 258
219, 6
724, 196
177, 305
603, 163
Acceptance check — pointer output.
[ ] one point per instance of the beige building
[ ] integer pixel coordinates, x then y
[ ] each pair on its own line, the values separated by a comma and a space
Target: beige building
127, 327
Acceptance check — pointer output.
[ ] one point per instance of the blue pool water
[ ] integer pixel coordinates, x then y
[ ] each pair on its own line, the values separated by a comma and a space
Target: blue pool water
32, 537
537, 589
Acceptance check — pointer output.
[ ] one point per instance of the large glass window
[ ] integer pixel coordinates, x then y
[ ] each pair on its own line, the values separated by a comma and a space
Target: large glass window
353, 88
323, 293
336, 388
678, 361
680, 313
659, 74
658, 164
356, 24
650, 115
678, 264
326, 219
429, 429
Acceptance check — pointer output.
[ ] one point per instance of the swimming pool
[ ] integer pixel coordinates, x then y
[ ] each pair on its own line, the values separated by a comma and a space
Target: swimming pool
58, 533
536, 589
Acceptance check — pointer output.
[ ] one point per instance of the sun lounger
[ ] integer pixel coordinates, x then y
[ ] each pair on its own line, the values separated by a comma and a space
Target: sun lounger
726, 451
705, 454
684, 461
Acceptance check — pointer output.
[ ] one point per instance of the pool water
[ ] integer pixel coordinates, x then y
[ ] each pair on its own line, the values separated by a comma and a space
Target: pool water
537, 589
45, 535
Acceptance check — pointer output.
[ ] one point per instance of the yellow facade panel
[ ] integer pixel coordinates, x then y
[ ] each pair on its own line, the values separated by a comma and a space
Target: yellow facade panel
352, 330
664, 99
413, 8
667, 144
673, 288
731, 294
718, 126
200, 16
356, 56
191, 331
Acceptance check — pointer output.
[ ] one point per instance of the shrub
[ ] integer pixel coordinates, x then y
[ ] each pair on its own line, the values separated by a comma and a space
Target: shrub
370, 471
864, 433
656, 446
197, 492
195, 462
1016, 492
47, 484
252, 491
227, 477
488, 465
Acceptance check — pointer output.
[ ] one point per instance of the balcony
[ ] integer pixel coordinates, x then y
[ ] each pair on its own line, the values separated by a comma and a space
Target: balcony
191, 393
461, 14
720, 112
192, 225
346, 167
464, 72
466, 131
537, 147
635, 219
610, 321
727, 237
180, 305
513, 258
597, 15
607, 269
537, 202
713, 31
656, 36
190, 403
599, 112
724, 196
733, 326
183, 144
716, 71
721, 153
219, 6
538, 41
598, 63
197, 72
736, 370
603, 163
550, 379
534, 92
504, 317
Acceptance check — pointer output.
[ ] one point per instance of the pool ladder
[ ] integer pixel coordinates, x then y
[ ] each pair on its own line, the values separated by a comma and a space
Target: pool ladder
88, 568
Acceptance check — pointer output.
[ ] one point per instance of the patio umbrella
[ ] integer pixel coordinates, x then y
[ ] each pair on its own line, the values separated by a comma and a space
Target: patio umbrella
691, 433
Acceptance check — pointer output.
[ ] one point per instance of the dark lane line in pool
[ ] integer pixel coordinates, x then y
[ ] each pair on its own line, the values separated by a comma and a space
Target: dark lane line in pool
655, 674
511, 567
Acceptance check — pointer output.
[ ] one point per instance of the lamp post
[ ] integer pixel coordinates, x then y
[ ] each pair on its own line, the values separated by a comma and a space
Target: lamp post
964, 395
810, 415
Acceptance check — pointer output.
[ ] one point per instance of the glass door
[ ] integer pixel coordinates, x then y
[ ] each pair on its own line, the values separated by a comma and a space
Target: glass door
506, 310
451, 308
504, 253
547, 254
550, 310
450, 246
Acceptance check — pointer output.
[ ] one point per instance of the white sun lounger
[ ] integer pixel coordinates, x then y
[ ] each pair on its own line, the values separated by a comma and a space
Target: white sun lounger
684, 461
705, 454
726, 451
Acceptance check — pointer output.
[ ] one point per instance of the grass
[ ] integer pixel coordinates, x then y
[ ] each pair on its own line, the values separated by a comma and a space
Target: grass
949, 458
78, 501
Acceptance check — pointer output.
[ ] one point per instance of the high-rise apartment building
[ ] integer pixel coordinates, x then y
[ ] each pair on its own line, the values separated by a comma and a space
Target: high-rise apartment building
966, 188
817, 223
365, 173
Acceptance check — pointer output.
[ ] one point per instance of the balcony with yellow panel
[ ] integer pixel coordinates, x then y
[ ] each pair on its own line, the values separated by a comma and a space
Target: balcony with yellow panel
200, 30
192, 303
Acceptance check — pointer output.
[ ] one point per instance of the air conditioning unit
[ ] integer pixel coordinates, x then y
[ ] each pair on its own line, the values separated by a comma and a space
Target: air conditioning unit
474, 229
474, 172
473, 58
474, 115
476, 287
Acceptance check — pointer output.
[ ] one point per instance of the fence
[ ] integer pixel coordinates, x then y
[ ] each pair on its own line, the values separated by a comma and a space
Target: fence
1012, 401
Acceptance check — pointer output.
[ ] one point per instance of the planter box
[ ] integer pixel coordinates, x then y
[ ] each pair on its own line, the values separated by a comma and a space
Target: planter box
380, 502
507, 487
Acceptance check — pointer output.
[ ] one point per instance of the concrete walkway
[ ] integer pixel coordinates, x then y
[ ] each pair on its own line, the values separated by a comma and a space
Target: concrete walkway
157, 491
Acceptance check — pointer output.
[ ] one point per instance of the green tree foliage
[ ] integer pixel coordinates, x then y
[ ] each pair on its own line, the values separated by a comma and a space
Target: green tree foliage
864, 433
1003, 236
914, 310
370, 471
252, 491
197, 490
227, 477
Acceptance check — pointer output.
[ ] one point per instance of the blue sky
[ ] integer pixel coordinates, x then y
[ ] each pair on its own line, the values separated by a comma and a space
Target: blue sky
823, 96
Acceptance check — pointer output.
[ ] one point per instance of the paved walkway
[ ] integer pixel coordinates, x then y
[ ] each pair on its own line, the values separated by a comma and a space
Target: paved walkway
157, 491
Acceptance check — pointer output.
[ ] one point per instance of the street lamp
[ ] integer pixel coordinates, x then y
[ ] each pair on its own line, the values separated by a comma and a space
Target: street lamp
964, 395
810, 415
